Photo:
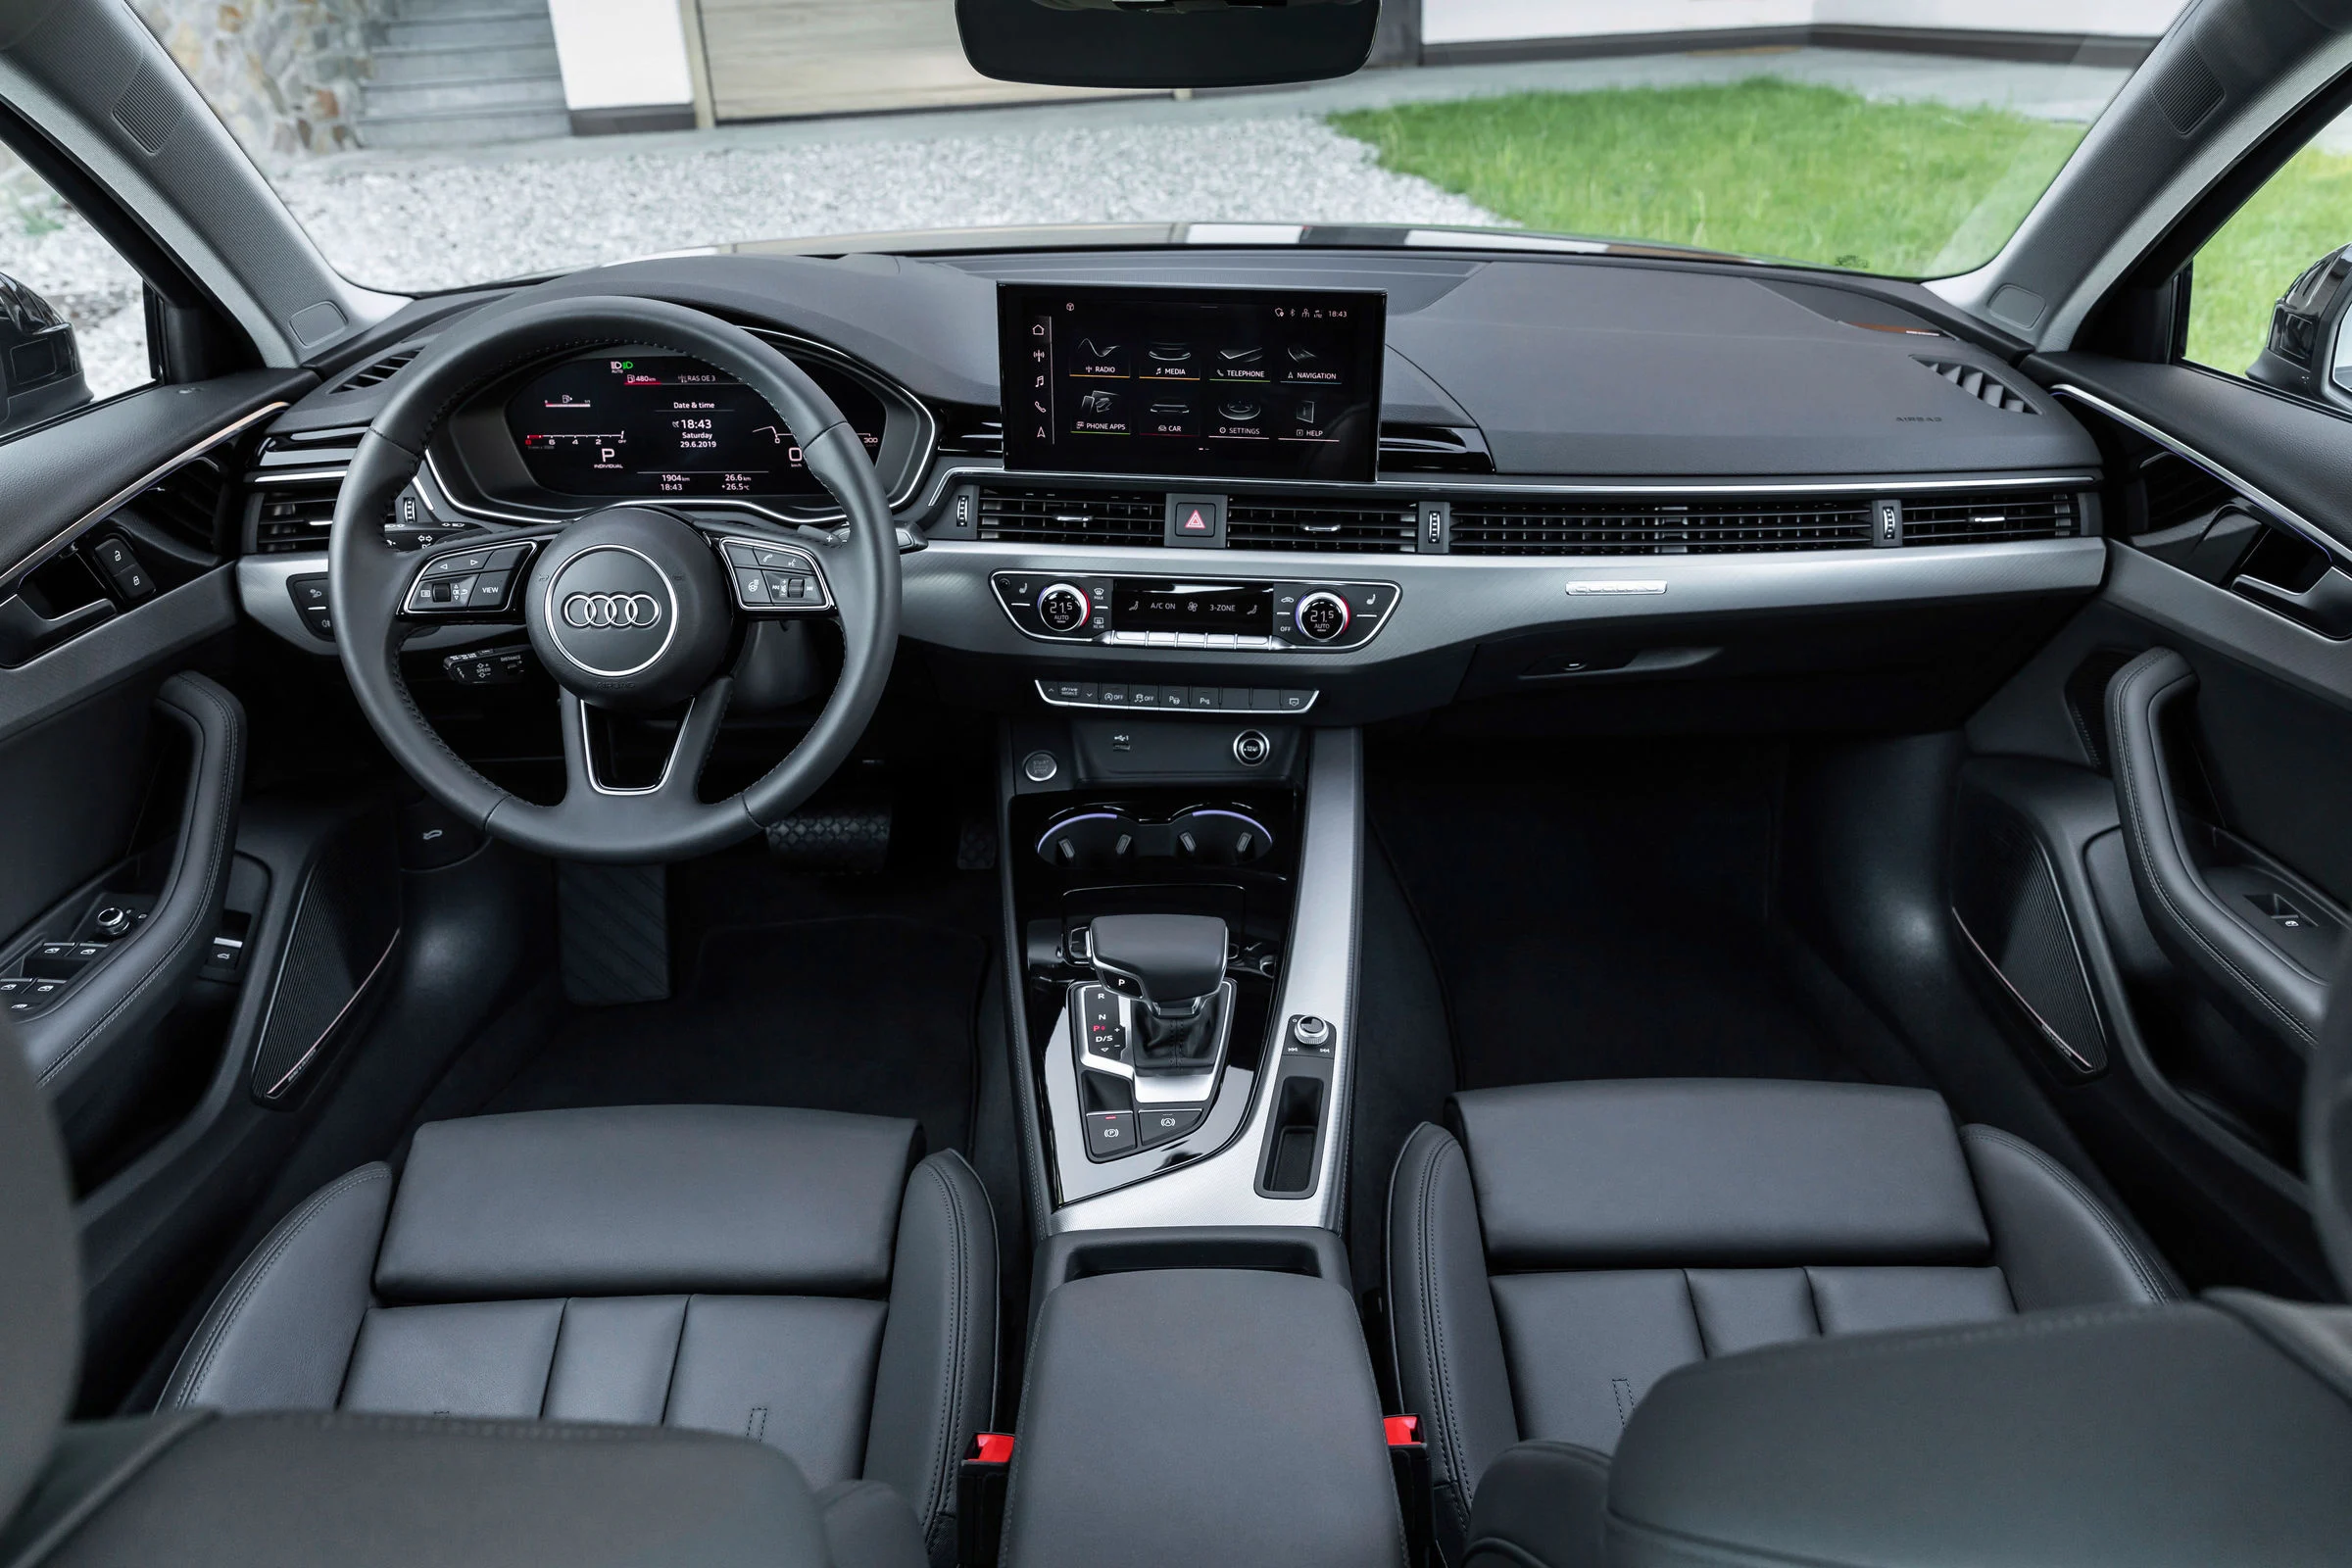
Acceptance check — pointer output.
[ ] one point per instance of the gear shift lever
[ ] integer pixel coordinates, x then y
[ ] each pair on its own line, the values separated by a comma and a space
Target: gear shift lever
1175, 965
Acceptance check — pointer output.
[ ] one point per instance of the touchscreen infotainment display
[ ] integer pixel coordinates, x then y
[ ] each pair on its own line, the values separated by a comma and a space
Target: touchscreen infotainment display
1227, 383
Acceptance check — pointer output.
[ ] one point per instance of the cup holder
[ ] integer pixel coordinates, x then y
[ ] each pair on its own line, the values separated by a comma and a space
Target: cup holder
1092, 838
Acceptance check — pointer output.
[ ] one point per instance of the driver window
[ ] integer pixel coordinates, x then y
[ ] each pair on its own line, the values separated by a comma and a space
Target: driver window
63, 268
2284, 241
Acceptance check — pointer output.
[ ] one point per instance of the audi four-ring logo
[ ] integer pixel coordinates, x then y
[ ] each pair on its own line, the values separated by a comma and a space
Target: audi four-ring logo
612, 609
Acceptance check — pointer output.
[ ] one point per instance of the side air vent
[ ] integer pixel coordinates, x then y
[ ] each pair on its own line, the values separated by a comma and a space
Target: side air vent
1981, 384
187, 503
970, 433
1434, 449
1072, 517
293, 519
1325, 525
1990, 519
309, 449
1614, 527
382, 370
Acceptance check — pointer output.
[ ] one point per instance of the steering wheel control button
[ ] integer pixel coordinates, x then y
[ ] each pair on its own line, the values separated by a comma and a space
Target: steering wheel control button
1040, 767
1109, 1134
1156, 1127
1064, 607
457, 566
1322, 616
630, 609
1250, 748
771, 578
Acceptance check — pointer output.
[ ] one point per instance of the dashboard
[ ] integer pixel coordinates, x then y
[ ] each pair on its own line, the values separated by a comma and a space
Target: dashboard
1358, 482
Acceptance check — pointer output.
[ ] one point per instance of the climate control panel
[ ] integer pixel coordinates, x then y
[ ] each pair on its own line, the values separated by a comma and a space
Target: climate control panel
1220, 614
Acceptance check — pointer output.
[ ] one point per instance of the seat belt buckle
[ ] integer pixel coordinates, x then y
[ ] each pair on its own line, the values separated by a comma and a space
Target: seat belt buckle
980, 1499
1408, 1463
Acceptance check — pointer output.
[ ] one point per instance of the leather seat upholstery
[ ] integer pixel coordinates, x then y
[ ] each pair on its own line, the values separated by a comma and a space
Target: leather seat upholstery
797, 1278
1565, 1245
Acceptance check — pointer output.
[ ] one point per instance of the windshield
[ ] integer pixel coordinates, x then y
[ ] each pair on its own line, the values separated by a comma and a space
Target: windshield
430, 144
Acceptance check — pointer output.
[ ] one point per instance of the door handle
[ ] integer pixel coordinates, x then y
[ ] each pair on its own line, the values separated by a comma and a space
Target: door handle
2232, 959
25, 633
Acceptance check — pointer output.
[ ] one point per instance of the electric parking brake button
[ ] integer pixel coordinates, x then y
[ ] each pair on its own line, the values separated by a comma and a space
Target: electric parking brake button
1109, 1134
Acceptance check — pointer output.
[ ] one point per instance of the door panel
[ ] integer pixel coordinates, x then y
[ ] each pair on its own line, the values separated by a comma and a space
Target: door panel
2192, 730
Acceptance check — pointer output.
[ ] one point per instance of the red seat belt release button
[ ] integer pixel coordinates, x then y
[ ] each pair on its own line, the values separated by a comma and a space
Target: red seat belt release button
1402, 1428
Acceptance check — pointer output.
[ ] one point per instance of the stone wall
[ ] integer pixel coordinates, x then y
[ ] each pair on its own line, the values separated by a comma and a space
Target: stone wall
283, 75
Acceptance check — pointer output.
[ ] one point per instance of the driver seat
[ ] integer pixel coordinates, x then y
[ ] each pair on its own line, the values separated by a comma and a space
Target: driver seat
802, 1279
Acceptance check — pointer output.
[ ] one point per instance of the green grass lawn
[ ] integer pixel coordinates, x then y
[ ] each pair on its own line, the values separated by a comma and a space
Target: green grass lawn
1772, 167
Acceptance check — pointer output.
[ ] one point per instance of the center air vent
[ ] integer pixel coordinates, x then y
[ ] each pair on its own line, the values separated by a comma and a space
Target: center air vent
1617, 527
1981, 384
293, 519
1033, 517
1329, 525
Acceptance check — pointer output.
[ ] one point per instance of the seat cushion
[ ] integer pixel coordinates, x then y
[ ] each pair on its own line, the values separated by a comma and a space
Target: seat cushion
767, 1274
1578, 1242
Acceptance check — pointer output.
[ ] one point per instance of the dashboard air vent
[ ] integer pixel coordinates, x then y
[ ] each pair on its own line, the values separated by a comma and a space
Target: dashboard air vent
971, 433
1616, 527
382, 371
1990, 519
1325, 525
309, 449
1981, 384
1434, 449
1073, 516
293, 519
186, 502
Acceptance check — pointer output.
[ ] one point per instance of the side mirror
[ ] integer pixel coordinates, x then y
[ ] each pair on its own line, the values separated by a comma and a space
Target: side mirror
2307, 352
1166, 43
40, 367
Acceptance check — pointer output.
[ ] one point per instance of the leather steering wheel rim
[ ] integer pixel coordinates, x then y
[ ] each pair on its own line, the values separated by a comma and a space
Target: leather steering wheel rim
368, 584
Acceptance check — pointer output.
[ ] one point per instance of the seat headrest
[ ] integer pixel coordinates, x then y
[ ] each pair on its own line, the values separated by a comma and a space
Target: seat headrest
648, 1200
2328, 1128
1682, 1173
40, 1283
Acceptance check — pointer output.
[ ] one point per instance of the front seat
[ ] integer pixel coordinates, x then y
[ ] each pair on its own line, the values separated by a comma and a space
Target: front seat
1564, 1246
799, 1278
194, 1488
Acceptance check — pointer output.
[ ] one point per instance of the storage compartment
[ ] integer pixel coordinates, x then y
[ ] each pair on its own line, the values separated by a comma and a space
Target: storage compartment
1199, 1397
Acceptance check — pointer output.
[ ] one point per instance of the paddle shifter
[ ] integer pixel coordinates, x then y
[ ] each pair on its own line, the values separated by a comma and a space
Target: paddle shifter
1174, 966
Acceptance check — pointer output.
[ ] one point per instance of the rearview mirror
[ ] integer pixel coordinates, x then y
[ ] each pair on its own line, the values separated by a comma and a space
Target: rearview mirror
40, 367
1166, 43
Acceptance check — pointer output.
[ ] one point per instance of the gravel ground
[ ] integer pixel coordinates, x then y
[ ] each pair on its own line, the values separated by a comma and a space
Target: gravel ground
437, 224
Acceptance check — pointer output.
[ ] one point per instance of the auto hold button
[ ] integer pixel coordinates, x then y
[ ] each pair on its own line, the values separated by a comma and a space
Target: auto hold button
1157, 1127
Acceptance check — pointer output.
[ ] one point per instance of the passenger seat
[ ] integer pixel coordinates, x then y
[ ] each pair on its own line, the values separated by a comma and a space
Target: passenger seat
1567, 1245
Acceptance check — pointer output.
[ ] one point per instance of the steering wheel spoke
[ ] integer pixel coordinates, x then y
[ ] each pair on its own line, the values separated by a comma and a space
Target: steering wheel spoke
585, 777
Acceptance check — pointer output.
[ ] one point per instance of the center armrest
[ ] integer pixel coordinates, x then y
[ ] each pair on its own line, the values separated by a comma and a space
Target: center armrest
1187, 1415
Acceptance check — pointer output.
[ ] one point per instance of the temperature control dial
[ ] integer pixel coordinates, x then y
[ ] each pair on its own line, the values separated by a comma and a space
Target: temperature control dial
1064, 607
1322, 616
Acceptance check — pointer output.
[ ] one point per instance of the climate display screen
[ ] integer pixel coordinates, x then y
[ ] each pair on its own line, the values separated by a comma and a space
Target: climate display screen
1136, 605
667, 425
1238, 383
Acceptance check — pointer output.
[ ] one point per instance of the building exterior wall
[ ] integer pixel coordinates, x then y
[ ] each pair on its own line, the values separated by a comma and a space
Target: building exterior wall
283, 75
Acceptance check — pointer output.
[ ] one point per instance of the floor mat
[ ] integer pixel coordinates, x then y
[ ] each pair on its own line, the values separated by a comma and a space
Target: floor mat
869, 1014
1603, 912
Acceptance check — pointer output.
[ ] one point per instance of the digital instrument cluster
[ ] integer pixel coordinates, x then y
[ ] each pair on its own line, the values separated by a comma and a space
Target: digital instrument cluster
1230, 383
650, 424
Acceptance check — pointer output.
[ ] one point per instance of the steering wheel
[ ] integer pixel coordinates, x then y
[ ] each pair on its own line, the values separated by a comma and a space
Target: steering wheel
631, 608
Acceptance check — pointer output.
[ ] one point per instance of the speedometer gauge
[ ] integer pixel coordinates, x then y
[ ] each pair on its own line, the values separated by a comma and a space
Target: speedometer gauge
635, 424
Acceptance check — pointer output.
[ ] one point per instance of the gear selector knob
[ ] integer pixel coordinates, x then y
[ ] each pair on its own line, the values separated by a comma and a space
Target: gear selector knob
1171, 961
